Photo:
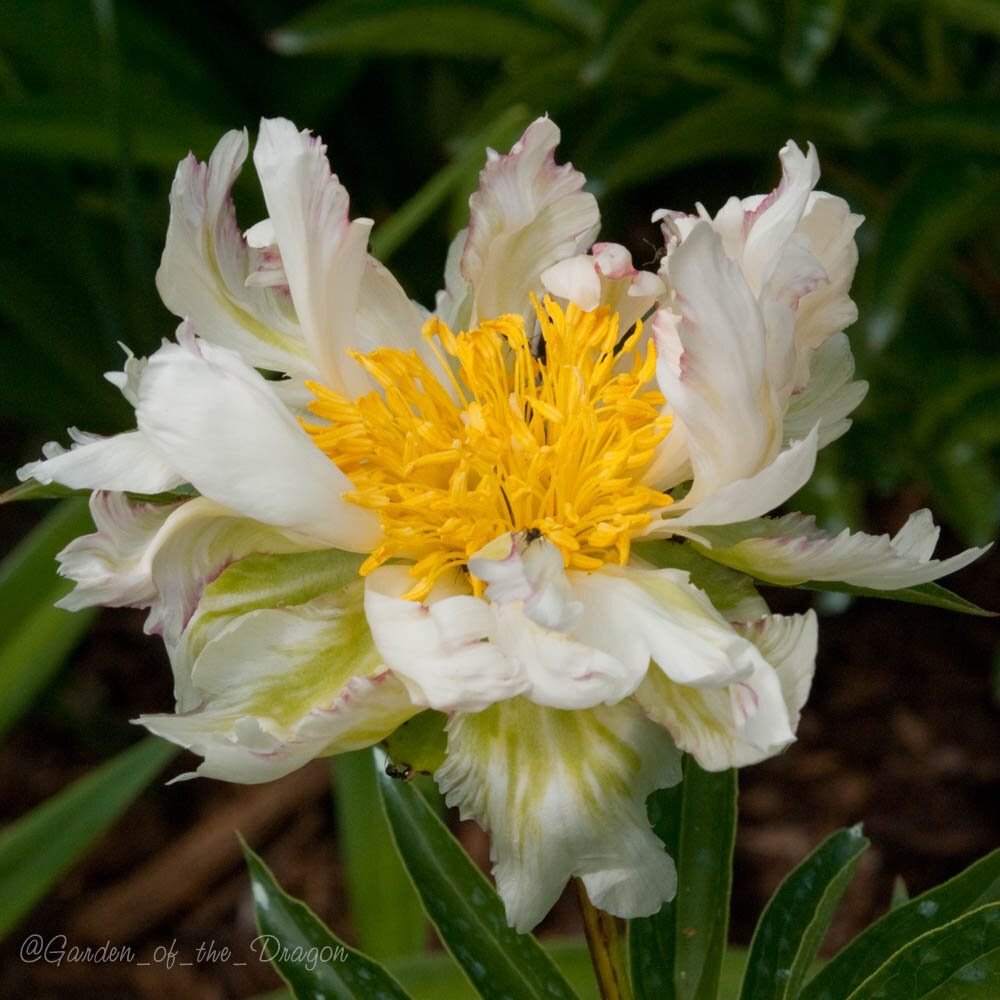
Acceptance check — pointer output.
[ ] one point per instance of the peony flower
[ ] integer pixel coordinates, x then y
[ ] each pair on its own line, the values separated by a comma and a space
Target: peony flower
367, 511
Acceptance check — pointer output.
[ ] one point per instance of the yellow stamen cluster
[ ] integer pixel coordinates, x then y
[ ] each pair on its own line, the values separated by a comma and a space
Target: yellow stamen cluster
520, 443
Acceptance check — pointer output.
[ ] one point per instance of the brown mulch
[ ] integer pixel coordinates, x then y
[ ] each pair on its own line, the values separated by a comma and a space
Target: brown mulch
900, 734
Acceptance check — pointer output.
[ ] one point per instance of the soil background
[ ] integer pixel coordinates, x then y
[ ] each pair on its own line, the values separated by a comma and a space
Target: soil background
900, 733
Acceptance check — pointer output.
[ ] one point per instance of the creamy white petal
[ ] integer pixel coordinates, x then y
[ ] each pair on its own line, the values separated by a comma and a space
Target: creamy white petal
718, 385
563, 794
218, 422
323, 253
438, 647
462, 653
527, 214
206, 262
829, 396
748, 498
638, 615
575, 279
791, 549
280, 686
747, 721
123, 462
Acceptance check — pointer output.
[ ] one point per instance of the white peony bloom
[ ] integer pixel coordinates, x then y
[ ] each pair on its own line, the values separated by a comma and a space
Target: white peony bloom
439, 513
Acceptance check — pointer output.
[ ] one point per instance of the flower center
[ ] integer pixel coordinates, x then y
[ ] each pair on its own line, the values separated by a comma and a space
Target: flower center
550, 445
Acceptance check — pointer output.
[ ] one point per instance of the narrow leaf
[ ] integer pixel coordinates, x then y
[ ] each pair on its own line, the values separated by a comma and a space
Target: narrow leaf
445, 27
464, 907
811, 30
36, 849
932, 595
316, 964
677, 954
959, 961
978, 885
795, 920
373, 869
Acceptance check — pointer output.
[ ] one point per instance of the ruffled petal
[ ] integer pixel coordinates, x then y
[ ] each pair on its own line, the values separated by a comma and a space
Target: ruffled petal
206, 265
748, 721
457, 652
563, 794
216, 421
526, 215
638, 615
791, 550
747, 498
280, 686
123, 462
323, 253
829, 396
718, 384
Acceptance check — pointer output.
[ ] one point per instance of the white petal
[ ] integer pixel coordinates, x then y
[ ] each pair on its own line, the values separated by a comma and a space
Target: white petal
791, 550
527, 215
324, 254
124, 462
576, 280
747, 721
769, 224
749, 498
437, 648
280, 686
638, 615
218, 423
718, 386
829, 396
564, 794
530, 572
205, 265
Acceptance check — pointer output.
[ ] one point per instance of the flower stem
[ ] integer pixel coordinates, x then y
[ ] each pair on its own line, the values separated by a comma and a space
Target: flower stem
602, 940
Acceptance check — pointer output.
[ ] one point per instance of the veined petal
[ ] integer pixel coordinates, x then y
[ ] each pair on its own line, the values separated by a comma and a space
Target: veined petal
718, 385
280, 686
324, 254
638, 615
791, 549
206, 264
526, 215
747, 721
123, 462
564, 794
216, 421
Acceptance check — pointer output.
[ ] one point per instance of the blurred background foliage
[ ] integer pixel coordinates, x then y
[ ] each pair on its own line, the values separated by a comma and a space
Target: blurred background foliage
661, 103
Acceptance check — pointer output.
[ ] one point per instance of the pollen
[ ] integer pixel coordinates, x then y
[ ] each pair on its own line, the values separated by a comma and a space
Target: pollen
490, 436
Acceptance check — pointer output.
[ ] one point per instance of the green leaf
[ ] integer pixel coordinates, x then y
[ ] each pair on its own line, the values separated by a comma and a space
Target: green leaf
932, 595
973, 15
464, 907
373, 869
36, 849
796, 918
313, 961
36, 637
959, 961
811, 30
677, 953
978, 885
444, 27
31, 489
418, 746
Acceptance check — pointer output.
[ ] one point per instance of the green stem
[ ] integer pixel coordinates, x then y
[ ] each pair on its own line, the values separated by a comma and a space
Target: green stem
605, 953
